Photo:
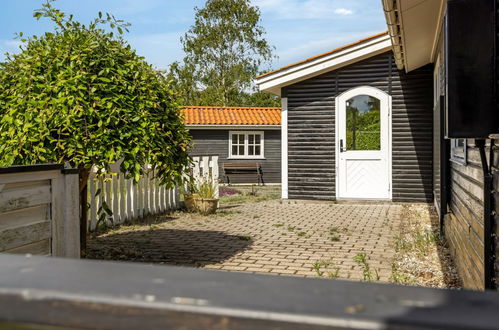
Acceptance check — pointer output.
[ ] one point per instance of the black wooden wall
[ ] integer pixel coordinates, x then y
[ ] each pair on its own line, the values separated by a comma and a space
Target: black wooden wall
311, 128
211, 142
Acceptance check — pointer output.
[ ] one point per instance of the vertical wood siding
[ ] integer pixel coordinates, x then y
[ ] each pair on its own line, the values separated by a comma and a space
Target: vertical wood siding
311, 133
216, 142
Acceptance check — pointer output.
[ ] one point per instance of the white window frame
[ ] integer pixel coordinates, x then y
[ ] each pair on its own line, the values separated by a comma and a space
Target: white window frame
458, 153
246, 156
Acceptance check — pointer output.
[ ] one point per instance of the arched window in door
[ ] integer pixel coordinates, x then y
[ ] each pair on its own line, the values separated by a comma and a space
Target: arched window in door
363, 126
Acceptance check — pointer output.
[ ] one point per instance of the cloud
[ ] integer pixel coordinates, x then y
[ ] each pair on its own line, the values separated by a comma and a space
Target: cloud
302, 9
343, 11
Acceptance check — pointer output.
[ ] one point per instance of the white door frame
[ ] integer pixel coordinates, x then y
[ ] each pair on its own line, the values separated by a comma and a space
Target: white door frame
374, 92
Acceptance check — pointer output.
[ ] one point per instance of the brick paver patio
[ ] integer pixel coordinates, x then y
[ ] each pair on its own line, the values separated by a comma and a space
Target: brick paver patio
285, 238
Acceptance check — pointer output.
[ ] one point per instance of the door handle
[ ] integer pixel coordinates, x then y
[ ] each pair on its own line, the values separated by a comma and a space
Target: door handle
342, 149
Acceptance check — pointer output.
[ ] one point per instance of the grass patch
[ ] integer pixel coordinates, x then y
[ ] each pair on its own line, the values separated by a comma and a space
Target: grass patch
247, 198
278, 225
245, 237
334, 238
422, 255
291, 228
400, 277
419, 241
225, 213
301, 233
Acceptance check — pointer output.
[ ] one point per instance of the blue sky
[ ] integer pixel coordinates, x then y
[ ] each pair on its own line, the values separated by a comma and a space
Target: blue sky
297, 28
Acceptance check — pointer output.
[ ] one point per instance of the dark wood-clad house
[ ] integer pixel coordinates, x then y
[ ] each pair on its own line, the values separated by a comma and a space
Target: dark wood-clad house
459, 40
408, 116
356, 126
238, 135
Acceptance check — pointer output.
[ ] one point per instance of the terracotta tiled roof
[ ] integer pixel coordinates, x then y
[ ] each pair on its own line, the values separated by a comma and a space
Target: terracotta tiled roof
324, 54
199, 115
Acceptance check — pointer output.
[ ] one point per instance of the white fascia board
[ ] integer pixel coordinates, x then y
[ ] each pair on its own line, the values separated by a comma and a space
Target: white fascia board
235, 127
273, 83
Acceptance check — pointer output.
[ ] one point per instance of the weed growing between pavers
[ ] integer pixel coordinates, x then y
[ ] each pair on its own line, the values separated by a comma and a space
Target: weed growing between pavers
333, 273
326, 268
368, 274
333, 230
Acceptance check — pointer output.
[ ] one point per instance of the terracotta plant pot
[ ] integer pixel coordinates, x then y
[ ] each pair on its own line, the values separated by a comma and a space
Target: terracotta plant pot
206, 205
190, 203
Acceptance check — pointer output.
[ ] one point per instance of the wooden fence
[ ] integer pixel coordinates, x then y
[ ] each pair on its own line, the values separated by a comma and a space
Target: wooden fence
126, 201
41, 293
39, 210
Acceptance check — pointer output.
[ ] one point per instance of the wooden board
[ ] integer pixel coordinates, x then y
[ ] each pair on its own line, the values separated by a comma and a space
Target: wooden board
25, 234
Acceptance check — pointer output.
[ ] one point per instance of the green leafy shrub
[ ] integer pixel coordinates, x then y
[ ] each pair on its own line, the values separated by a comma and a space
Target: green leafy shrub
82, 95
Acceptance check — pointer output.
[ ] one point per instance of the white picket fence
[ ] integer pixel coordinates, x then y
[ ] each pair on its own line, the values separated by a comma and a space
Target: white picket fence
129, 201
205, 168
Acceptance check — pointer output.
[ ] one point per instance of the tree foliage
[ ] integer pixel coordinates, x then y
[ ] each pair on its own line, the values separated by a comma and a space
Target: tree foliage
81, 95
225, 49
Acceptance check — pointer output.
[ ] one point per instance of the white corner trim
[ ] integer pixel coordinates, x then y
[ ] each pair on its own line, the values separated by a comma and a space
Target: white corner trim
284, 148
274, 82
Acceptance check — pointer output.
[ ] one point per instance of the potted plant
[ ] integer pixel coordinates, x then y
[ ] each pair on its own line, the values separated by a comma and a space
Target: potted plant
189, 196
206, 201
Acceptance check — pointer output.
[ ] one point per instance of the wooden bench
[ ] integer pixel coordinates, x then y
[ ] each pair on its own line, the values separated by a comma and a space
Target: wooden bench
243, 169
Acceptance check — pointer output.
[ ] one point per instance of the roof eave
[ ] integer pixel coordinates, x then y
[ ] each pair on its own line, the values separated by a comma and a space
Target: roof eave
272, 83
414, 44
394, 30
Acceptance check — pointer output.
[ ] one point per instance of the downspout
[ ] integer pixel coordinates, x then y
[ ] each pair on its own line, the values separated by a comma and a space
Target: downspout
487, 213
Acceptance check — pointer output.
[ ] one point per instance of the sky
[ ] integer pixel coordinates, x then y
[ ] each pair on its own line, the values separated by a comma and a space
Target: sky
298, 29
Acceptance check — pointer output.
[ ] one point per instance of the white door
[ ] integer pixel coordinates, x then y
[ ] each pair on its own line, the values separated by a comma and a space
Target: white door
363, 144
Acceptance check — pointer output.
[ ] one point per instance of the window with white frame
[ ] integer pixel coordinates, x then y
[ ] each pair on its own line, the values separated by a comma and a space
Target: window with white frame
245, 144
458, 150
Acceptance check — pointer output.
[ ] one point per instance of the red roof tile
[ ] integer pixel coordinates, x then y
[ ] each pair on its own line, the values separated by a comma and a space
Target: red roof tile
201, 115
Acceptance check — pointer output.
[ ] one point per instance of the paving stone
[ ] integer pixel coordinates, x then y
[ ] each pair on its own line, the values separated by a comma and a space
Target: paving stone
285, 238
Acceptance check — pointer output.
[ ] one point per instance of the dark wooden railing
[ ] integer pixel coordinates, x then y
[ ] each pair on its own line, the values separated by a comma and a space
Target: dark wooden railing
41, 293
